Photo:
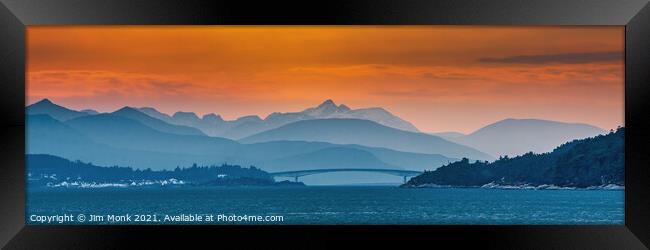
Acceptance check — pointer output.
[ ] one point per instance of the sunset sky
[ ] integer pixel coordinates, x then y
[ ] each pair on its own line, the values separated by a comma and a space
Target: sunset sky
440, 78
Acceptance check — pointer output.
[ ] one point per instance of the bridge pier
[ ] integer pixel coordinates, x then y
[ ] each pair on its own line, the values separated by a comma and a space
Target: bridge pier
295, 178
404, 178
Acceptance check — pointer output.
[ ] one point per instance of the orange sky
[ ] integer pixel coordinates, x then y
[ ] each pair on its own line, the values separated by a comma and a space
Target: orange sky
440, 78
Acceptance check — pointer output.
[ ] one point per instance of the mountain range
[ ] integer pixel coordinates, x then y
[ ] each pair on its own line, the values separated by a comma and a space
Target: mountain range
60, 113
214, 125
46, 135
367, 133
328, 135
127, 137
134, 114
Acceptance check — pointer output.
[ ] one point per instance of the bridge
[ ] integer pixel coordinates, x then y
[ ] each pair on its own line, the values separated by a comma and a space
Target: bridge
300, 173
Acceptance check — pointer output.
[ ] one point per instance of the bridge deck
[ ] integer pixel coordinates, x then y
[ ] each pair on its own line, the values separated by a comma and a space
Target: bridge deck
299, 173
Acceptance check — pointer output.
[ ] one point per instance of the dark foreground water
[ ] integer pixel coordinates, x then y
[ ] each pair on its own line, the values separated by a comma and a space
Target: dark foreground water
326, 205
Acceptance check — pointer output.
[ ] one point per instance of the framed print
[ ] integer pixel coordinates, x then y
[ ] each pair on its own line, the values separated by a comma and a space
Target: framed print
499, 124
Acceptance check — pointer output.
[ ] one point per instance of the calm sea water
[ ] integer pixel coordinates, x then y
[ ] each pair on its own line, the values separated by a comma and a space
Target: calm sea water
338, 205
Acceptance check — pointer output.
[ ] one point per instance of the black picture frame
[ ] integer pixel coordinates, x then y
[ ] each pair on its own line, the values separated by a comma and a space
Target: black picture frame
15, 15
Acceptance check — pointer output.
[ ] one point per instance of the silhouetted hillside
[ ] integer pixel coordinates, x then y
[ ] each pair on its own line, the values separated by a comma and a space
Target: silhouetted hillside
582, 163
367, 133
44, 169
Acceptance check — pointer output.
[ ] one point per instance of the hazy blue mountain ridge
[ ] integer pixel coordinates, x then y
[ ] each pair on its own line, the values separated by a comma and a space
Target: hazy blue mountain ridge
109, 139
47, 107
125, 133
366, 133
146, 138
332, 157
134, 114
214, 125
518, 136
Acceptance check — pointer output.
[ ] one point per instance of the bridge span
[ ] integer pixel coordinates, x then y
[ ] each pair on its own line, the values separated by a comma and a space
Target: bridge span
300, 173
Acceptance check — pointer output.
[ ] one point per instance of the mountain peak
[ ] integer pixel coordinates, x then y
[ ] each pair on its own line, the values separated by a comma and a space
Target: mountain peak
212, 117
327, 103
328, 107
57, 112
44, 101
155, 113
125, 109
131, 112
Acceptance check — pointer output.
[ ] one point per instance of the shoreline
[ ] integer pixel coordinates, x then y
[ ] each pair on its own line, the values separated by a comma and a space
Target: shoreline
91, 185
609, 187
